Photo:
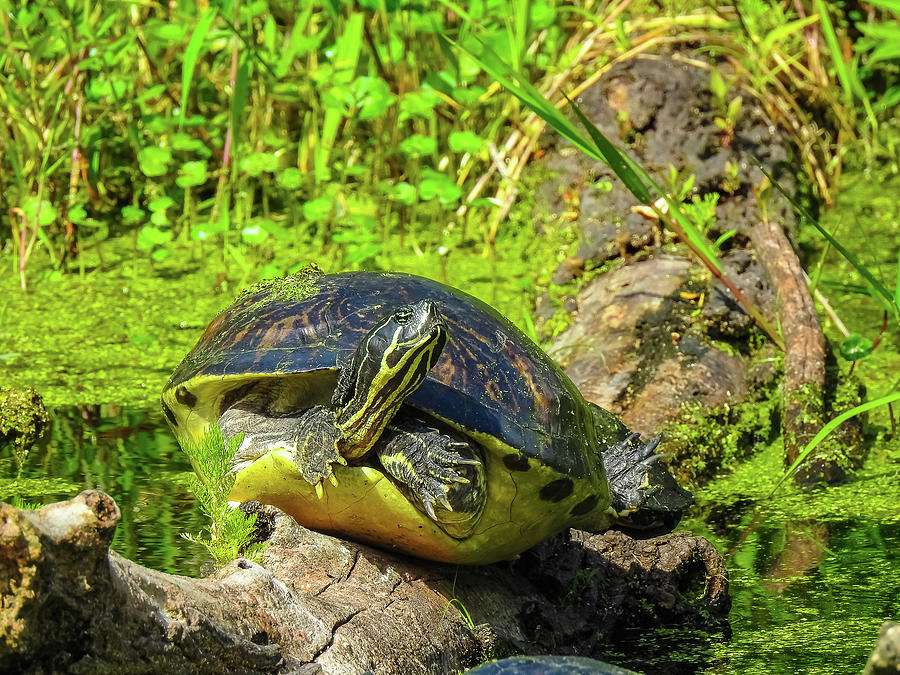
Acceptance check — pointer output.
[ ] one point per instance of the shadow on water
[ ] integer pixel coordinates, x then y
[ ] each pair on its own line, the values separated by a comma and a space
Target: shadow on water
808, 593
131, 455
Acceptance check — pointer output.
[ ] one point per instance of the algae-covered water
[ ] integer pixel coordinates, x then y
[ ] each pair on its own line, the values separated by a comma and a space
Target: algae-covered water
813, 574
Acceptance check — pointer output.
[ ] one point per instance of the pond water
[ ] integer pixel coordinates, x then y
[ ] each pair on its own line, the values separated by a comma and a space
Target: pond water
809, 591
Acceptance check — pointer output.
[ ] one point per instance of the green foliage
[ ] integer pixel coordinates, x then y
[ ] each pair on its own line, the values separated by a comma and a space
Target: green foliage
230, 530
464, 613
891, 300
878, 56
20, 503
243, 114
826, 430
636, 178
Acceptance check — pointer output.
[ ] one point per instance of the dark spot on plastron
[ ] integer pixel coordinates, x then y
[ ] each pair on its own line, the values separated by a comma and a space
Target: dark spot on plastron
584, 506
516, 462
169, 415
184, 397
557, 490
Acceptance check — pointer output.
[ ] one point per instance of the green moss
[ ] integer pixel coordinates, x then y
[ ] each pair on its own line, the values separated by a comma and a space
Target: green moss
115, 334
23, 418
704, 440
24, 488
301, 284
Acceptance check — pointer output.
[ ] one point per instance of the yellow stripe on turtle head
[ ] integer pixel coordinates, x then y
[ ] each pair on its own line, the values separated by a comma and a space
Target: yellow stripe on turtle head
390, 364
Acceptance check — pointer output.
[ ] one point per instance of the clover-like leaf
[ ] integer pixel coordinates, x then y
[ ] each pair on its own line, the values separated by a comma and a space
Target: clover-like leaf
317, 210
254, 234
856, 347
258, 162
373, 97
191, 174
154, 161
132, 215
465, 141
418, 145
436, 184
150, 236
30, 207
290, 178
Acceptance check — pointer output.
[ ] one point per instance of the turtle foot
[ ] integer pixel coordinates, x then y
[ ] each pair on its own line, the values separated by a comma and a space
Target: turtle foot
646, 496
435, 469
314, 449
309, 437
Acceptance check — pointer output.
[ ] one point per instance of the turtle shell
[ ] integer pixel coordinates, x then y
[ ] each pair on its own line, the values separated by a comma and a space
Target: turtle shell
543, 468
491, 380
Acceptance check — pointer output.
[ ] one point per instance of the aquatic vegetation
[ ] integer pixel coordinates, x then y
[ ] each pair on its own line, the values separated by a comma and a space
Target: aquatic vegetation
230, 530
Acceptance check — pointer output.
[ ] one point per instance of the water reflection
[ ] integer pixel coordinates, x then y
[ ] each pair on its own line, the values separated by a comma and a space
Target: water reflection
129, 454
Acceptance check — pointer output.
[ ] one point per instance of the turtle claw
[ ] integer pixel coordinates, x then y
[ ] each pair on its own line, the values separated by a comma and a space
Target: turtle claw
429, 500
320, 490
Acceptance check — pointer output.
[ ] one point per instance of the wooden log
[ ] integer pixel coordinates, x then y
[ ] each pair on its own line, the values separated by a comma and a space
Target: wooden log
320, 604
803, 384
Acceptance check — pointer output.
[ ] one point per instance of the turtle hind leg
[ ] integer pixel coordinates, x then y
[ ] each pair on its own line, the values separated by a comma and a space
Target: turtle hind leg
440, 473
646, 496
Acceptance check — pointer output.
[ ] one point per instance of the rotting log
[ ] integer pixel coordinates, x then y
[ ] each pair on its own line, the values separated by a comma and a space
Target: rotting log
803, 384
320, 604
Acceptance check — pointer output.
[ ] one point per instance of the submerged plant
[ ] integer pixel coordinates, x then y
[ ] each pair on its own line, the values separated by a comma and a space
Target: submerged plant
230, 530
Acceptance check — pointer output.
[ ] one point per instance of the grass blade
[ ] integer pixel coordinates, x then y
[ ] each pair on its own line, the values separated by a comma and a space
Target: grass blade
852, 259
778, 35
897, 286
349, 45
848, 77
192, 53
616, 160
239, 97
597, 146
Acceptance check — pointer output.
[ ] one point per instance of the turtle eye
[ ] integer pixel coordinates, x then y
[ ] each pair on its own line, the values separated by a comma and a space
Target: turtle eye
402, 316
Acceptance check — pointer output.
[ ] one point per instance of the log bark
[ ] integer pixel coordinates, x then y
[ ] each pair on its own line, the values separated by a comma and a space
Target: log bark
320, 604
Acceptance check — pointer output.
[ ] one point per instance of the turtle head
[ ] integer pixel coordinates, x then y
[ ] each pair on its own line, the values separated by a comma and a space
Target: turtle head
389, 364
645, 496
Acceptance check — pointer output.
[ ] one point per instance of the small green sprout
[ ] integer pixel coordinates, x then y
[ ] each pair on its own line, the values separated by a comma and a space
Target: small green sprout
230, 530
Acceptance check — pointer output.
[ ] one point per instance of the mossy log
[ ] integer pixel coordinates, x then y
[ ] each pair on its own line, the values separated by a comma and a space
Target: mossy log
320, 604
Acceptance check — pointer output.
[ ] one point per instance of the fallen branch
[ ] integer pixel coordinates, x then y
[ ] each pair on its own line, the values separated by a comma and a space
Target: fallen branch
803, 384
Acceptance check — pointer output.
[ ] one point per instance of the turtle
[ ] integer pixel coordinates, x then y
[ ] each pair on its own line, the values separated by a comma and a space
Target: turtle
398, 411
548, 665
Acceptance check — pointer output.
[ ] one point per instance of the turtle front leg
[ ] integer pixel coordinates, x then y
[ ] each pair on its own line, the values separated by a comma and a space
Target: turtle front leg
441, 474
309, 436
